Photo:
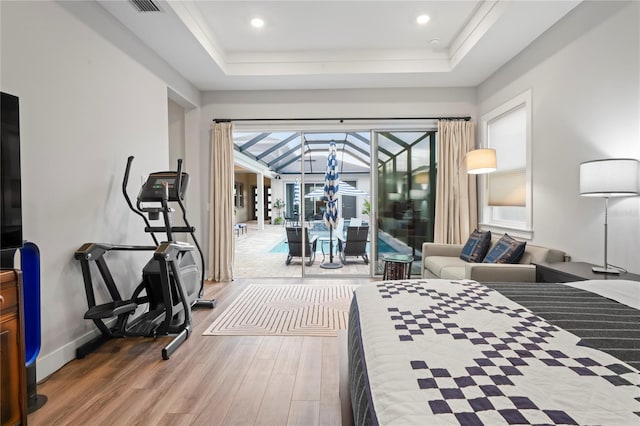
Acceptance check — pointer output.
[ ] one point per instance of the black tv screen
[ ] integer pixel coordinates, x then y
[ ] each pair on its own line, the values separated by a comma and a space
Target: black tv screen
11, 200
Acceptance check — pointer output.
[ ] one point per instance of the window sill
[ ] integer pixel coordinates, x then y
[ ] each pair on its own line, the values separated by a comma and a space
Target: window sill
525, 234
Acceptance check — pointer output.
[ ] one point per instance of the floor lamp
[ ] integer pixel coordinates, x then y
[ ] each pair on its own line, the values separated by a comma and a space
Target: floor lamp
615, 177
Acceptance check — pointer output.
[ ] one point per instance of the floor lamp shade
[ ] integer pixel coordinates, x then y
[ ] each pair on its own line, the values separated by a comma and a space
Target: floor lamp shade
615, 177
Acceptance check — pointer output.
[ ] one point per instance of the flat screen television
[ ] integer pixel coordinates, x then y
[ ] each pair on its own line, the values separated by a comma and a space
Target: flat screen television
11, 199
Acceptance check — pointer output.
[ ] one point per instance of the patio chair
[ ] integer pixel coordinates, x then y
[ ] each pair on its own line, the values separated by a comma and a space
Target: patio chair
355, 221
294, 239
355, 243
292, 220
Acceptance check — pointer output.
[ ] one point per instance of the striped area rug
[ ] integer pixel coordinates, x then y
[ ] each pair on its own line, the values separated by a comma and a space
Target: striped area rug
286, 310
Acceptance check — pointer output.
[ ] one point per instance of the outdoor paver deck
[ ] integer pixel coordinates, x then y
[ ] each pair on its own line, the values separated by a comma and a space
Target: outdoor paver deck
253, 260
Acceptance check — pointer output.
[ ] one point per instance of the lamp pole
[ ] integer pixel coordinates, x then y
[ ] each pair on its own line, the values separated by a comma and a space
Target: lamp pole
605, 268
606, 238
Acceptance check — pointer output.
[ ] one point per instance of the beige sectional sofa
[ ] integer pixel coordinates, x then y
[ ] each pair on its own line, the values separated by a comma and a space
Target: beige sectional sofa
443, 261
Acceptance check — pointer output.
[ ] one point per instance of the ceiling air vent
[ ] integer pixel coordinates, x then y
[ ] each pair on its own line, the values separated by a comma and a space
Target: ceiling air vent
145, 5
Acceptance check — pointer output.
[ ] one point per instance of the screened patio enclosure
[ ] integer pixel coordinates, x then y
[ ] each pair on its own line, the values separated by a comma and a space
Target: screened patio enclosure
399, 203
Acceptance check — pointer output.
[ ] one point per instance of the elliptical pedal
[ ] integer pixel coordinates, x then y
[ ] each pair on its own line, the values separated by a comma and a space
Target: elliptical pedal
146, 324
111, 309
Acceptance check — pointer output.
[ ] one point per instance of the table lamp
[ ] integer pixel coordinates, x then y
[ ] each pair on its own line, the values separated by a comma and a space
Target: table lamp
480, 161
614, 177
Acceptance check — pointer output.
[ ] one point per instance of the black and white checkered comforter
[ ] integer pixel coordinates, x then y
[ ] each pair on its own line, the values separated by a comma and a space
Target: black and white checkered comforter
430, 352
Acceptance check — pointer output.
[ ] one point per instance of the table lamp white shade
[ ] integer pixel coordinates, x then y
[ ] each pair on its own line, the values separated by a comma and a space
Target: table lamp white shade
422, 178
615, 177
481, 161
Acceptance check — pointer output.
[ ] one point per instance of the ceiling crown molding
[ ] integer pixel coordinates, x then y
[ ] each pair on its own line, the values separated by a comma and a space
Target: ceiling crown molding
377, 61
368, 47
193, 20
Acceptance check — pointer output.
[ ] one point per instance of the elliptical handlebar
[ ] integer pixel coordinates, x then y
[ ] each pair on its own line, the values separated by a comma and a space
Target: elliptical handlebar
179, 179
165, 210
125, 181
191, 229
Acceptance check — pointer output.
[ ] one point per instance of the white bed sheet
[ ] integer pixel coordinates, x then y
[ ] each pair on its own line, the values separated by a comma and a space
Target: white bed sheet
622, 291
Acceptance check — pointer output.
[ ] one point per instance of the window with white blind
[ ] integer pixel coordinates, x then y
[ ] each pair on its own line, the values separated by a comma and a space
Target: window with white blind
505, 195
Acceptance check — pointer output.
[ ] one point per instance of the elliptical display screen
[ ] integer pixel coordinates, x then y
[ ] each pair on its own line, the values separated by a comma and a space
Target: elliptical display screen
159, 183
154, 187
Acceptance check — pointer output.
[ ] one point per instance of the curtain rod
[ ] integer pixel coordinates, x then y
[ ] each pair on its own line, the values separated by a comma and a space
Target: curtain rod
341, 120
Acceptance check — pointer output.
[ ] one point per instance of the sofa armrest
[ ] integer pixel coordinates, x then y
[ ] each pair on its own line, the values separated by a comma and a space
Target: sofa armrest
500, 272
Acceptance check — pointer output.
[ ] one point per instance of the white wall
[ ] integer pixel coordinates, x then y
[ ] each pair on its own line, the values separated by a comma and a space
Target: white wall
85, 106
585, 79
176, 133
243, 213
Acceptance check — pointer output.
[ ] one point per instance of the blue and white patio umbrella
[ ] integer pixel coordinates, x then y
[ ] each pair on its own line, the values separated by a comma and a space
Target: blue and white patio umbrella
296, 194
331, 187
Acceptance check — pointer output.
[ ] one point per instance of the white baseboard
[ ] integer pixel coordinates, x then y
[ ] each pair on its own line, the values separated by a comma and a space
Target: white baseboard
48, 364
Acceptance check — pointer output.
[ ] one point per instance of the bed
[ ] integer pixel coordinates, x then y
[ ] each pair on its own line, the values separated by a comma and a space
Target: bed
424, 352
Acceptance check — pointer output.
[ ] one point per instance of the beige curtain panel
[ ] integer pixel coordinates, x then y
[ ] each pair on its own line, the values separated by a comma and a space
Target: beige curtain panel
221, 241
456, 199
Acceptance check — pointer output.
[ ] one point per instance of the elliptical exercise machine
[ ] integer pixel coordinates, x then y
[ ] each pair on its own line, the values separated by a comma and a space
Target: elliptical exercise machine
171, 282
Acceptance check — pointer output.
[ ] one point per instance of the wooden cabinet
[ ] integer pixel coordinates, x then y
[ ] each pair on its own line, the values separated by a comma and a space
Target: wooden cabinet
13, 394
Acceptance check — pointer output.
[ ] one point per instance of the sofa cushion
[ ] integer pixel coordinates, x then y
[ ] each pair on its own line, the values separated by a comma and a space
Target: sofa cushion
476, 247
452, 272
436, 263
506, 250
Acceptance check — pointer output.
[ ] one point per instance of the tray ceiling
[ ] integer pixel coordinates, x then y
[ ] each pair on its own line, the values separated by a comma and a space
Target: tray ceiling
338, 44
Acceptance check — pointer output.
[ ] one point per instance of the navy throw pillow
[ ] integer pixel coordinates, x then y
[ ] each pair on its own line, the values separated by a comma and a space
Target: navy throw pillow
476, 246
506, 250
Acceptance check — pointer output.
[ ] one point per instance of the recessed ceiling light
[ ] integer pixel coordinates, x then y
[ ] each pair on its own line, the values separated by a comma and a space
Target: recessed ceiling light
257, 23
422, 19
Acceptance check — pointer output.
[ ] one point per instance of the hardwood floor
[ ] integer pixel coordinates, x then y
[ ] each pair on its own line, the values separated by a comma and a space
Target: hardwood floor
209, 380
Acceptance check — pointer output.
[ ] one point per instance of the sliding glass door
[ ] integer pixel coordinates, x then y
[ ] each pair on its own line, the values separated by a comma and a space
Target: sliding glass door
387, 186
293, 165
406, 182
